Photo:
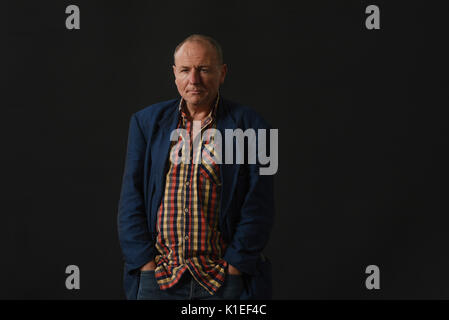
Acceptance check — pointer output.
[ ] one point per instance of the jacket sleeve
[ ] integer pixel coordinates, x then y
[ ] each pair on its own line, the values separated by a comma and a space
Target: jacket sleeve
134, 236
255, 217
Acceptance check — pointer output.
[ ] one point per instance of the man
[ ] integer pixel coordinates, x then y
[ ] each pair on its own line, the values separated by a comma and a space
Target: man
194, 229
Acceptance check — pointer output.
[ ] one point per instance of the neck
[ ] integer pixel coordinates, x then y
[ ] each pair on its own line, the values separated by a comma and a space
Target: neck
199, 112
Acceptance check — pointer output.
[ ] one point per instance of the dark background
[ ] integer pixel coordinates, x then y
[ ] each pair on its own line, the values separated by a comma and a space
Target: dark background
363, 135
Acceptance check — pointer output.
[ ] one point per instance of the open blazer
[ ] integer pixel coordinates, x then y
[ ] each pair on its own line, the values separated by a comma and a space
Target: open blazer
246, 203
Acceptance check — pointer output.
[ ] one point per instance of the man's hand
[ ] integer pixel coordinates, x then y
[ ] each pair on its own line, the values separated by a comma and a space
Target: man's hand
149, 266
233, 270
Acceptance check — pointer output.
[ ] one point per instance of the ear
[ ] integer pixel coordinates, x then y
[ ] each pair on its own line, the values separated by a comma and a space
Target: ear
174, 70
224, 70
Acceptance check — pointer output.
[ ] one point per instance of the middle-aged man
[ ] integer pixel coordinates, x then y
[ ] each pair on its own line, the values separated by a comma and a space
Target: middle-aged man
194, 229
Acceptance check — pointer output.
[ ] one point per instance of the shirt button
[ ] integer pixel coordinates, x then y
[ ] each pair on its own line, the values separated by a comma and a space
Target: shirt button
186, 237
186, 209
187, 183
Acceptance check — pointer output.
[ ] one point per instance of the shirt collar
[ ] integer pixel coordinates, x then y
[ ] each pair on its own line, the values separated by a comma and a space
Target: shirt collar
210, 117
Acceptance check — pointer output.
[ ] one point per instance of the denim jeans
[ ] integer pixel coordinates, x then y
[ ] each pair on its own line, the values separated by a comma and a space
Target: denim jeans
188, 288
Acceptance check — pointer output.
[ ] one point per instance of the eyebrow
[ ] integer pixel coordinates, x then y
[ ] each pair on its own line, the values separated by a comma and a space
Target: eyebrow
203, 66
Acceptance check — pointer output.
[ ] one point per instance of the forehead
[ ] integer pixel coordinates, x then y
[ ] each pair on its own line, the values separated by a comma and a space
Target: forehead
196, 53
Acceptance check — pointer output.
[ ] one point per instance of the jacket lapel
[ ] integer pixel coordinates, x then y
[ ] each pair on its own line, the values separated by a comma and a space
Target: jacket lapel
160, 151
228, 172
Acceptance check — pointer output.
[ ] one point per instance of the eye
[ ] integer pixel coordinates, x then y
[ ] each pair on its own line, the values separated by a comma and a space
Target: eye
205, 70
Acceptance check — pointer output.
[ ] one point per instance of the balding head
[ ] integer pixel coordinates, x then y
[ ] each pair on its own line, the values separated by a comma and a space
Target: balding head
207, 41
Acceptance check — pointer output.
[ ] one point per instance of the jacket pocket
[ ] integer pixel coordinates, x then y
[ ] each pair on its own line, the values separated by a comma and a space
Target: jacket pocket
210, 172
260, 285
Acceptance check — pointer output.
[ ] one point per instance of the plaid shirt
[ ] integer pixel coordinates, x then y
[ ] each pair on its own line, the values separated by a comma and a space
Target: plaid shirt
187, 221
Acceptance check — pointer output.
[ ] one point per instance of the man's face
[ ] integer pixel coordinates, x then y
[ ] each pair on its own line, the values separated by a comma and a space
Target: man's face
198, 73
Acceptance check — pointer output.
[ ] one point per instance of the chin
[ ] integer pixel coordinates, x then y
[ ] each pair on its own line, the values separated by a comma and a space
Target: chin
195, 100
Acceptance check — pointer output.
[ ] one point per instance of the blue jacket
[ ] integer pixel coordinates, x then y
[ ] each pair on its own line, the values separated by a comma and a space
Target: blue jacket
246, 207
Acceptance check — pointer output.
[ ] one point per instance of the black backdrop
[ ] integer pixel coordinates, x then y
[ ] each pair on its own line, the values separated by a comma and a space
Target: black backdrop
363, 135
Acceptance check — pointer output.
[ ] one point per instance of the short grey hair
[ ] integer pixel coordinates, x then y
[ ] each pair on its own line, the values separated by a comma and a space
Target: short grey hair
200, 37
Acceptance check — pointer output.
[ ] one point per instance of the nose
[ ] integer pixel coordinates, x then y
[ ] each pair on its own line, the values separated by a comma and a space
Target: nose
194, 76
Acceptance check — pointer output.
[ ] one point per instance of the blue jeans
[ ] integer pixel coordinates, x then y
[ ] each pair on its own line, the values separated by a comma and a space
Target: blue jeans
188, 288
